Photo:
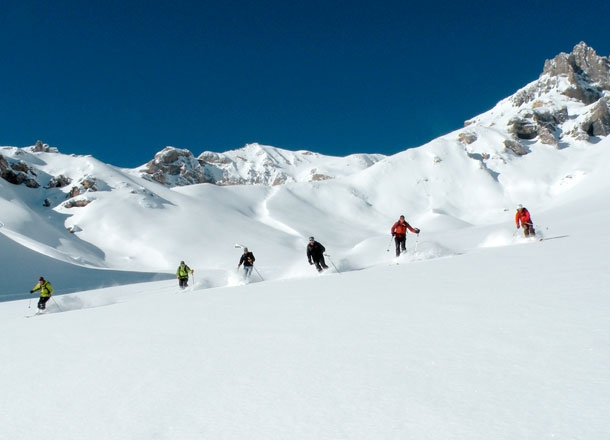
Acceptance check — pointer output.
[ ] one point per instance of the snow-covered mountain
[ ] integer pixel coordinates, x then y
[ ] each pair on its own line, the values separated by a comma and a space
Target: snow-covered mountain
253, 164
475, 333
544, 146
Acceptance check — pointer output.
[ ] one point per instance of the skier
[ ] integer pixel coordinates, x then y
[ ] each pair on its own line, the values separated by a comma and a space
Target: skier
522, 216
183, 275
45, 292
399, 232
315, 254
247, 259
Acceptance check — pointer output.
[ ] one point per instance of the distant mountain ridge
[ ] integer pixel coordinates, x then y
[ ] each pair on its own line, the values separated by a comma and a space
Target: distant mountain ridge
254, 164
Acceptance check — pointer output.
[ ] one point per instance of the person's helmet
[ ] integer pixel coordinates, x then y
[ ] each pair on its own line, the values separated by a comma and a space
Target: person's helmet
402, 216
182, 262
311, 239
519, 206
41, 279
245, 249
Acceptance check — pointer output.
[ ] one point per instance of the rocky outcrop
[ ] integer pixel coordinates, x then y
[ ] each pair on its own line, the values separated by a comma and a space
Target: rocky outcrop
523, 127
20, 172
59, 181
597, 121
89, 183
515, 147
546, 136
541, 121
175, 167
581, 75
467, 137
74, 192
588, 74
76, 203
17, 173
40, 147
317, 177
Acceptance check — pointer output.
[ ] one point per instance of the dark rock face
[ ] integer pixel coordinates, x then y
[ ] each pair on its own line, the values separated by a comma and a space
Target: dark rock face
18, 173
59, 181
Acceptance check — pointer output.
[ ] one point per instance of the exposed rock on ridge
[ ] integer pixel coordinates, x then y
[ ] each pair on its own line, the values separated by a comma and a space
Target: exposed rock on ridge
254, 164
175, 167
587, 72
582, 76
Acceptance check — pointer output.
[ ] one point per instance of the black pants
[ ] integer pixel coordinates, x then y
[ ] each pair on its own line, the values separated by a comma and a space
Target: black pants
320, 263
183, 282
42, 302
401, 244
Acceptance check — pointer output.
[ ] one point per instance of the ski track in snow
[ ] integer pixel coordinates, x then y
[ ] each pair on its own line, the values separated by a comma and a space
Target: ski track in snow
264, 216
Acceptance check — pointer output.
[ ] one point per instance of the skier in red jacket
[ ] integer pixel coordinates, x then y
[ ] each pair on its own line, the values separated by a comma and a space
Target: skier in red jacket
523, 218
399, 232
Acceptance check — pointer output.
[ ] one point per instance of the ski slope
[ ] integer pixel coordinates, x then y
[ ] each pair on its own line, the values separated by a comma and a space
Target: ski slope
504, 340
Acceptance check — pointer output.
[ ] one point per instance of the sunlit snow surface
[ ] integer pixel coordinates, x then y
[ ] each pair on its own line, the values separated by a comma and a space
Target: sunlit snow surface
475, 333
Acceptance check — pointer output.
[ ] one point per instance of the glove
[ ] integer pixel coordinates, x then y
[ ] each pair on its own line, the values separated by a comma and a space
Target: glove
393, 234
31, 291
417, 230
311, 262
192, 270
518, 226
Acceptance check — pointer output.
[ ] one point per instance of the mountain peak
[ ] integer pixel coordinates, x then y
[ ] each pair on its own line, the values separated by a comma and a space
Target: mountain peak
587, 73
571, 98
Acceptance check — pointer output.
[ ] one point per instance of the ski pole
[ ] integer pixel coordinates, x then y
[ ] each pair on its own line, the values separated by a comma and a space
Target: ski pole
30, 302
57, 304
416, 241
331, 262
389, 244
258, 273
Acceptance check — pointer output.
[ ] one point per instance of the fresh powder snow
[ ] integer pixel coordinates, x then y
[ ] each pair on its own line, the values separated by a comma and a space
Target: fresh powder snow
475, 333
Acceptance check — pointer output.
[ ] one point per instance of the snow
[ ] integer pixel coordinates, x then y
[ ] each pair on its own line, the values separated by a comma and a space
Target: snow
475, 333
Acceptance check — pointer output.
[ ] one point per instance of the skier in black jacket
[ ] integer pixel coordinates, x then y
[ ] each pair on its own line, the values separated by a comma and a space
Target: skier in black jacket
315, 254
247, 259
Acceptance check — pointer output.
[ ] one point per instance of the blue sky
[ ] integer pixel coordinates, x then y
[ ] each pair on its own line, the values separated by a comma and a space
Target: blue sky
122, 79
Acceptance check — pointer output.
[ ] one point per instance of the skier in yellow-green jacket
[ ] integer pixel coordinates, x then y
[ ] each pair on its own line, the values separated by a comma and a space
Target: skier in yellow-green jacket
183, 274
45, 292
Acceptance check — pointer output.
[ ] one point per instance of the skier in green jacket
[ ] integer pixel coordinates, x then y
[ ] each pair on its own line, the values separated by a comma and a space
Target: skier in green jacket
45, 292
183, 275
